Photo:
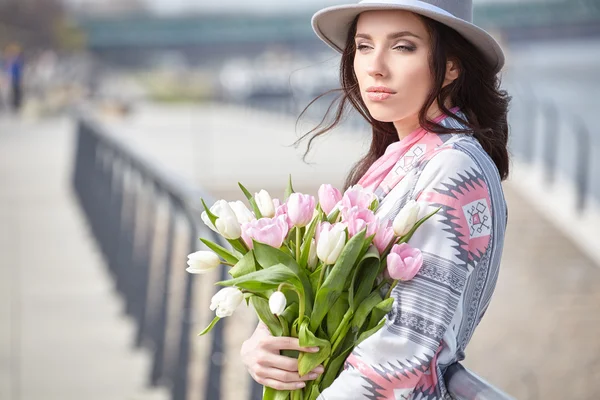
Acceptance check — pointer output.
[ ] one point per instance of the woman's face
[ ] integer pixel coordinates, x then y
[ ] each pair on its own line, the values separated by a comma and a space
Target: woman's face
392, 64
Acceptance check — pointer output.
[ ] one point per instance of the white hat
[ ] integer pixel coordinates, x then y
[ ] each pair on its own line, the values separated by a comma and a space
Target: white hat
331, 24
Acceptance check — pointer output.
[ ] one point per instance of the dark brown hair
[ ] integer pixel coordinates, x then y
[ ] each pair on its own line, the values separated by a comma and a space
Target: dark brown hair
476, 91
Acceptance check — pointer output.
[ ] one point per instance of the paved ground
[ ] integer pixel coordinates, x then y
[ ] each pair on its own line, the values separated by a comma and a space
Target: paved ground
61, 331
62, 336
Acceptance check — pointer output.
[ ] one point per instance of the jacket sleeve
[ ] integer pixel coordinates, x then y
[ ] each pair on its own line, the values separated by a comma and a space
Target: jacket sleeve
400, 360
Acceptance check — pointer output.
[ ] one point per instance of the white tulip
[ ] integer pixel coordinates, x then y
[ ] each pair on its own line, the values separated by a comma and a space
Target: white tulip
227, 223
312, 255
242, 213
331, 242
277, 303
406, 218
201, 262
226, 301
265, 204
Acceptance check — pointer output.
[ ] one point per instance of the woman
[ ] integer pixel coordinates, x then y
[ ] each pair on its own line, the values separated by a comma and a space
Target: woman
426, 80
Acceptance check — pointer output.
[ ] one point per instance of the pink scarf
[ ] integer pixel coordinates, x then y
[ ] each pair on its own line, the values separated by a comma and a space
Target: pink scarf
394, 152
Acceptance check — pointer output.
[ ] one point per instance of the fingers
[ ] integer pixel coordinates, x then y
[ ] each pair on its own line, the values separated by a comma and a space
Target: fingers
282, 380
277, 385
287, 343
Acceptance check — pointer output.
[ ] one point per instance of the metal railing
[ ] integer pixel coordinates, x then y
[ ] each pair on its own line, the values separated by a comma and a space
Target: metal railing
544, 134
133, 209
136, 214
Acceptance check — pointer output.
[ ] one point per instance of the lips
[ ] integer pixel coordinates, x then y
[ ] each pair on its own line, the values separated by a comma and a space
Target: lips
380, 89
379, 93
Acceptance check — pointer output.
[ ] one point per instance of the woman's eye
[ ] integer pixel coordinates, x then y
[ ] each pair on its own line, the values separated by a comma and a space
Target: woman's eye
361, 47
404, 48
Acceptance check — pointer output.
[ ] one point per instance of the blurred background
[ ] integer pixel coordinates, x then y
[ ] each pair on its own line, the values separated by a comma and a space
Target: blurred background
117, 116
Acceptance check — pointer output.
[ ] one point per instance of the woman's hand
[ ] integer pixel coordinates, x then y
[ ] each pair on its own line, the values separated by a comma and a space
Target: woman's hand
261, 355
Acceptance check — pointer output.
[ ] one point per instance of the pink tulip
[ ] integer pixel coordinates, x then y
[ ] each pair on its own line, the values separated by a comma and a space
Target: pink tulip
404, 262
301, 208
329, 197
271, 231
282, 211
356, 196
383, 236
359, 219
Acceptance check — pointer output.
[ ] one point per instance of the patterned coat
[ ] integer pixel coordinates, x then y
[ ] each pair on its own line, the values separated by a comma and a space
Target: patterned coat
435, 314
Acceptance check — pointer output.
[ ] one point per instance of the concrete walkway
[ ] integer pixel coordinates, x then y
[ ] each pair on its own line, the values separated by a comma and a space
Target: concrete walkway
62, 334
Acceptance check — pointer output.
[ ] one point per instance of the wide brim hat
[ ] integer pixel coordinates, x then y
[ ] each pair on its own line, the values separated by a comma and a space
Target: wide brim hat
331, 24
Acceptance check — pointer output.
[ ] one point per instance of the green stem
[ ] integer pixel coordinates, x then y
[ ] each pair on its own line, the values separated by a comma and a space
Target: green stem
392, 286
300, 296
322, 275
341, 326
226, 263
298, 245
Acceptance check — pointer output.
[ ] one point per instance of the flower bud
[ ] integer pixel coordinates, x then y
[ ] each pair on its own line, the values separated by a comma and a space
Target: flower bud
331, 241
277, 303
242, 213
227, 224
329, 197
404, 262
226, 301
406, 218
265, 204
201, 262
301, 208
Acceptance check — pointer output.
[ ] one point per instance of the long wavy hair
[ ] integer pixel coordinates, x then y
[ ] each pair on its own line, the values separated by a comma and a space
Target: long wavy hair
476, 91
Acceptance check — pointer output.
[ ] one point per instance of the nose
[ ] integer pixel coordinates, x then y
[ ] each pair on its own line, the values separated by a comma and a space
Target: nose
377, 65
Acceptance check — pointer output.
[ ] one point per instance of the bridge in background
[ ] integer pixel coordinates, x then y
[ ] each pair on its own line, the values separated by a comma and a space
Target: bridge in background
209, 38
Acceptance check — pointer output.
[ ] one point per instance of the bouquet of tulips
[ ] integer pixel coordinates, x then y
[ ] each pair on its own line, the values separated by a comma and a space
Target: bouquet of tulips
318, 271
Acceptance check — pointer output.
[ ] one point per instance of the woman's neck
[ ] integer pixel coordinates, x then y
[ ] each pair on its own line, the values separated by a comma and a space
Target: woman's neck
408, 125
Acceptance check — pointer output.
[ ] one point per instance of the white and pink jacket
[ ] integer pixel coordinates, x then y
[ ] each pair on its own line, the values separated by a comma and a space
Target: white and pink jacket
435, 314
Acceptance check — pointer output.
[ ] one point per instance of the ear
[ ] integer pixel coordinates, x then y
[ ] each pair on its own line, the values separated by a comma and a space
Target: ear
452, 72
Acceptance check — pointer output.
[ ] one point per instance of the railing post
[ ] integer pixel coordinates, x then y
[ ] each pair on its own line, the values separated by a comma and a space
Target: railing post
582, 166
160, 326
550, 140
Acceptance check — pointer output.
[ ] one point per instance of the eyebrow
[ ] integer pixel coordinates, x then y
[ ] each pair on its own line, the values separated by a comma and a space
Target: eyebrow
391, 36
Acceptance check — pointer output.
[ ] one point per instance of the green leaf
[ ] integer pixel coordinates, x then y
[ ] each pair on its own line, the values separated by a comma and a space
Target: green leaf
410, 233
289, 189
374, 204
333, 216
380, 312
370, 332
314, 278
271, 394
290, 314
314, 393
212, 217
308, 236
334, 368
261, 306
334, 283
220, 251
285, 326
262, 280
364, 275
364, 309
243, 267
252, 202
268, 256
238, 245
336, 314
309, 361
210, 326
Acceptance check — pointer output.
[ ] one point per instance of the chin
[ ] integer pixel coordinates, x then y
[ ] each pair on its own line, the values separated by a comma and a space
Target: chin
383, 115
